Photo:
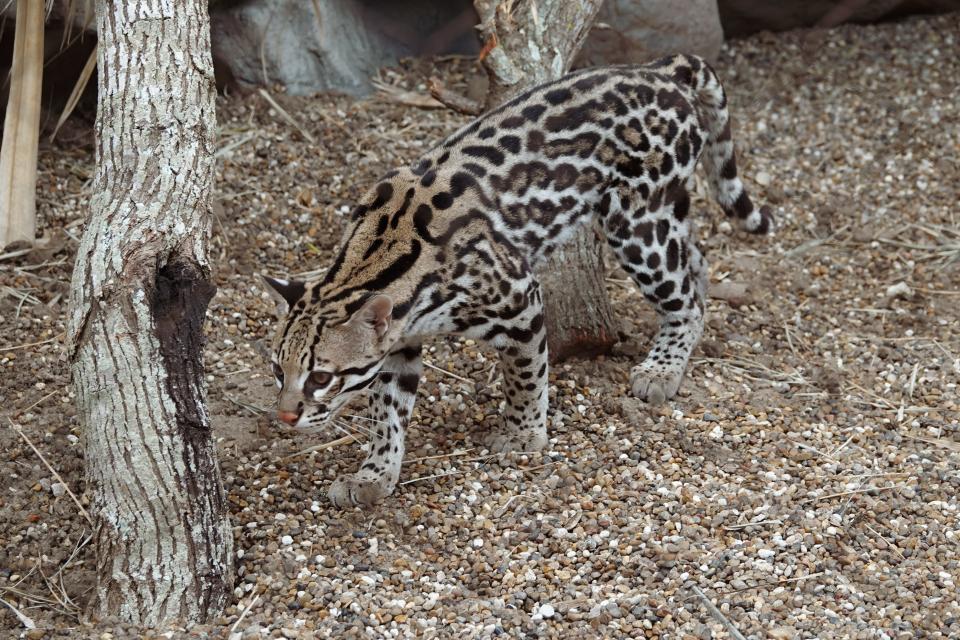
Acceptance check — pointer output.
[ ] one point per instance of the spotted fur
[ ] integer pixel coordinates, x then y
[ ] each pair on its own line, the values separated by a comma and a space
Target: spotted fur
447, 246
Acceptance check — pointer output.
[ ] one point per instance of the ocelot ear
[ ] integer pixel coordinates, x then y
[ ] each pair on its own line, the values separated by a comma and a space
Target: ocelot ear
375, 314
284, 292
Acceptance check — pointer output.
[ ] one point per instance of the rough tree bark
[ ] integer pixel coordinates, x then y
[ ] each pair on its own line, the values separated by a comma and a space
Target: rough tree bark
21, 131
138, 298
528, 42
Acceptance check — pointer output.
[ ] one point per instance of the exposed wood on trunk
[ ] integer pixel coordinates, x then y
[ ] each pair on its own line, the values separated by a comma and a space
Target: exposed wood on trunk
567, 334
21, 131
139, 295
528, 42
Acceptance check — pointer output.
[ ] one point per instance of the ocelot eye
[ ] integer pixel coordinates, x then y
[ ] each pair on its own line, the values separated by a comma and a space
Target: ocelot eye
278, 372
321, 378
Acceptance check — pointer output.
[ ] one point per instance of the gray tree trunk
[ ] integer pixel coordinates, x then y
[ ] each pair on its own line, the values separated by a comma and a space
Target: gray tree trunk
528, 42
139, 294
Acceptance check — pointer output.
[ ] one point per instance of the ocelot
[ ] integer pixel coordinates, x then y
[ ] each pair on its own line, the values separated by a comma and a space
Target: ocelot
448, 246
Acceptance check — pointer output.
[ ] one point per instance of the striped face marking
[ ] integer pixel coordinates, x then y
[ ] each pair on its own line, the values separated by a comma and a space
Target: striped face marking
323, 357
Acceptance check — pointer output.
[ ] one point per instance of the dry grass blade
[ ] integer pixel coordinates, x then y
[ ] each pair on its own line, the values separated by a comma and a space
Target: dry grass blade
15, 254
31, 344
347, 439
56, 475
841, 494
23, 296
937, 442
286, 116
77, 91
243, 614
441, 456
430, 365
483, 460
945, 252
753, 370
23, 618
747, 525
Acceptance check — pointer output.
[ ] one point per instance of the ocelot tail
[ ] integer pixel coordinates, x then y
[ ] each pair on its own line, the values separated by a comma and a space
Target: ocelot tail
448, 246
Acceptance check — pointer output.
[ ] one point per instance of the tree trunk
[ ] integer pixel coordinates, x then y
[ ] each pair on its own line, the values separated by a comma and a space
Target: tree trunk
21, 131
529, 42
138, 298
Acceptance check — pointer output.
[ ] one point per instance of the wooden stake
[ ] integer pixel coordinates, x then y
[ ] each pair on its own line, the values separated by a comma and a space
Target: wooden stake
21, 132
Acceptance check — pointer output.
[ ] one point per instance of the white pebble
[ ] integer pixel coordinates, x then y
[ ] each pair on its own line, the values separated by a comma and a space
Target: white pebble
547, 610
899, 289
286, 541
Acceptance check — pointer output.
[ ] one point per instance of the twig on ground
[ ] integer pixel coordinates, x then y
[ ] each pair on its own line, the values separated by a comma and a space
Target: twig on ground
15, 254
430, 365
889, 544
24, 620
461, 452
938, 442
32, 344
286, 116
243, 614
716, 613
458, 102
76, 501
392, 93
451, 473
745, 525
847, 493
35, 404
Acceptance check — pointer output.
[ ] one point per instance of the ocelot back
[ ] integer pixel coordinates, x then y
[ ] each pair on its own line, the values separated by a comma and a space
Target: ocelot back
448, 246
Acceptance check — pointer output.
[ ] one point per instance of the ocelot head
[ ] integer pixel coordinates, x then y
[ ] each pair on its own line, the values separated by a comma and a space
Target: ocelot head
323, 355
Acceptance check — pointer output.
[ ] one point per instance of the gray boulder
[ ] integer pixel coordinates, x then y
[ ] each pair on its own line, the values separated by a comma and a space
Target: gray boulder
633, 31
743, 17
310, 46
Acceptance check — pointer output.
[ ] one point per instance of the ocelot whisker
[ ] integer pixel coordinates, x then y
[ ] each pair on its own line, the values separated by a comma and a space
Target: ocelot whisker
345, 431
356, 428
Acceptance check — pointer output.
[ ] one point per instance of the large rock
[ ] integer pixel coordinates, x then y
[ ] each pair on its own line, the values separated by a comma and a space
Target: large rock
632, 31
743, 17
321, 45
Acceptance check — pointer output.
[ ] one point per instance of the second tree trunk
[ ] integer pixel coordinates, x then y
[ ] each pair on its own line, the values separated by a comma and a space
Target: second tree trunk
580, 320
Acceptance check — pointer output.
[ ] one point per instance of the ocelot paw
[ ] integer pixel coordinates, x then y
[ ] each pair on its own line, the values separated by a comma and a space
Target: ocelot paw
348, 491
531, 440
653, 384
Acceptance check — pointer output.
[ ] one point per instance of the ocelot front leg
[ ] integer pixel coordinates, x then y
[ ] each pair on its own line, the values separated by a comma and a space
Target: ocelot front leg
522, 344
391, 404
655, 246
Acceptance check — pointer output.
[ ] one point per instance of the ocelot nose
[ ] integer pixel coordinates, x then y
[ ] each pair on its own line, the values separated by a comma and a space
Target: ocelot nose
289, 417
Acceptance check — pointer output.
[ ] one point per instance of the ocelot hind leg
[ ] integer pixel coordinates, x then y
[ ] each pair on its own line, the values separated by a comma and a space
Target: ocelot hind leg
656, 247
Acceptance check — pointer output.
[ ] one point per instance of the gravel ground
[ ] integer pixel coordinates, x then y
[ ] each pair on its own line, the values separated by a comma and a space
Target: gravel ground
804, 483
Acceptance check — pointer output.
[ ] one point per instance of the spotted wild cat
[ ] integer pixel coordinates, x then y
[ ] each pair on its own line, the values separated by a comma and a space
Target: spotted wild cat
448, 246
